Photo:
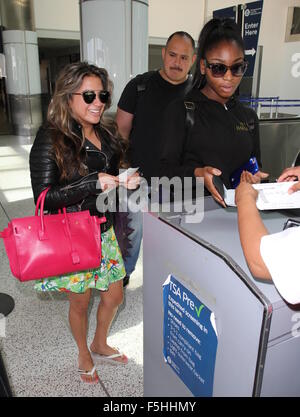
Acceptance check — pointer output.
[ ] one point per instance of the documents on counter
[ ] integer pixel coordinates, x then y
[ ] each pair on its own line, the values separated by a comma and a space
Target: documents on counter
271, 196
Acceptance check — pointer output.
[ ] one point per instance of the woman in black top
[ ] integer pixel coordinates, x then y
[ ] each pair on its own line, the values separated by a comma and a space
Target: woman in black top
225, 134
78, 155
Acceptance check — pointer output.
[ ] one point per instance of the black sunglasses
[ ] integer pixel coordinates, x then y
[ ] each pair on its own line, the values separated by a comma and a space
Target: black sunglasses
219, 70
89, 96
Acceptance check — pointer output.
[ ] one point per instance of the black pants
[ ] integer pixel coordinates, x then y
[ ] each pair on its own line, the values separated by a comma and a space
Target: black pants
5, 390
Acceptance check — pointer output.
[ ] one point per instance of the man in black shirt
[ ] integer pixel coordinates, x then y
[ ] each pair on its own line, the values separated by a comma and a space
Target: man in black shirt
140, 115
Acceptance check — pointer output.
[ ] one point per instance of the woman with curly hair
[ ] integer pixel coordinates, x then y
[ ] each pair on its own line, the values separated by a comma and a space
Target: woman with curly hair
78, 155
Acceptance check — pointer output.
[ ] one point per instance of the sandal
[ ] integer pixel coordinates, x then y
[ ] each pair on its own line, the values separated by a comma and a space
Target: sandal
111, 358
89, 373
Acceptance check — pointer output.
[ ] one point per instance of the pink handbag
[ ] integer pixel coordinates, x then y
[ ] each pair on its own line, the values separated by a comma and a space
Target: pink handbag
43, 246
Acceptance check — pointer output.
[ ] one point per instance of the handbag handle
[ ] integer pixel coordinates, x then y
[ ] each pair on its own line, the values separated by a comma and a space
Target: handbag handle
42, 236
40, 206
41, 199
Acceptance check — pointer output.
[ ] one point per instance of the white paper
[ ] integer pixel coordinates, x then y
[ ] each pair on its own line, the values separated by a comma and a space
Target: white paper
122, 178
127, 173
270, 196
229, 196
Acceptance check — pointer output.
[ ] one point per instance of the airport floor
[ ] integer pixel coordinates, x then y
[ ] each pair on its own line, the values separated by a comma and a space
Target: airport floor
36, 344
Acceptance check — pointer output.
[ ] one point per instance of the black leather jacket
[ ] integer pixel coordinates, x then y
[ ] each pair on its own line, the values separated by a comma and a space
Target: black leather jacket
79, 192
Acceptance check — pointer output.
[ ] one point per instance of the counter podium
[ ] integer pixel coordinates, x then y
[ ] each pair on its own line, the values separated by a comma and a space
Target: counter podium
257, 347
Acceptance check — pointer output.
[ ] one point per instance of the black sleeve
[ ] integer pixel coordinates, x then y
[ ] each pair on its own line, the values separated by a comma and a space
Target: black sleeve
174, 138
128, 98
44, 173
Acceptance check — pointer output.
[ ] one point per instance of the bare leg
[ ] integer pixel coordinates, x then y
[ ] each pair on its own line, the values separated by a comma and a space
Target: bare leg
108, 306
78, 321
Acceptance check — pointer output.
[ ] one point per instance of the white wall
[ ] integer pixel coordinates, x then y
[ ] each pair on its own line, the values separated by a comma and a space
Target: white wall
57, 15
277, 56
165, 16
168, 16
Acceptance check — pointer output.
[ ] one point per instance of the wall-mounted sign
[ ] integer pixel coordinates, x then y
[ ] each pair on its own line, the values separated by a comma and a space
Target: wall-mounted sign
248, 17
252, 18
227, 12
190, 338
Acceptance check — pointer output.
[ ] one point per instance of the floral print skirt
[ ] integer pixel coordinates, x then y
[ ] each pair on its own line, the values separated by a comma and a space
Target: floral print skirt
111, 270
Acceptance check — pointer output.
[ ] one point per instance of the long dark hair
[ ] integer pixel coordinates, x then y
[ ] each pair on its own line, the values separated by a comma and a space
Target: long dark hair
67, 137
212, 33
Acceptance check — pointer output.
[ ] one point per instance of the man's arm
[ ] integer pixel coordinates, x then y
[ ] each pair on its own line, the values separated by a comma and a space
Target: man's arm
124, 121
251, 229
127, 107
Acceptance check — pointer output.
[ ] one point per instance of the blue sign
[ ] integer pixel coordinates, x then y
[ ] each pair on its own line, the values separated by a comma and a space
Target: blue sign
228, 12
190, 338
252, 18
250, 29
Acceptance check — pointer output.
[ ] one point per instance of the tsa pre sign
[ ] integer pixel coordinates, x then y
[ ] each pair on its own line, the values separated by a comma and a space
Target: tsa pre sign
190, 338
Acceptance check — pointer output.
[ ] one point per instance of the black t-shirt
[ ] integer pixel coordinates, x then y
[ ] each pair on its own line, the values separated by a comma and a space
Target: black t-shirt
224, 137
148, 107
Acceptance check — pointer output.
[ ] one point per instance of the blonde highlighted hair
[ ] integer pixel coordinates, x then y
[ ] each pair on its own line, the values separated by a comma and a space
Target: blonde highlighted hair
67, 137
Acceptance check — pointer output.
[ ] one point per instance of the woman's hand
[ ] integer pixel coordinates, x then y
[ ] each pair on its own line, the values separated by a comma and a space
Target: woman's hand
246, 176
291, 174
107, 181
132, 182
207, 173
245, 193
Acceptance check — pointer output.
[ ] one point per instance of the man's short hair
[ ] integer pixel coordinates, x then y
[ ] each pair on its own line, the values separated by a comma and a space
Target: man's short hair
182, 34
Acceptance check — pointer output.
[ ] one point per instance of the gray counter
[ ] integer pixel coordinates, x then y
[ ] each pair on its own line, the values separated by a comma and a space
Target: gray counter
257, 354
279, 144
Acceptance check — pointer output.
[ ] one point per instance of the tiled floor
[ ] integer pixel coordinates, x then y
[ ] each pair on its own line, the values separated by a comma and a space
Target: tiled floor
39, 352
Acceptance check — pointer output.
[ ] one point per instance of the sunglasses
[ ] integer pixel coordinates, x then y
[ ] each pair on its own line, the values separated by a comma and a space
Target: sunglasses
89, 96
219, 70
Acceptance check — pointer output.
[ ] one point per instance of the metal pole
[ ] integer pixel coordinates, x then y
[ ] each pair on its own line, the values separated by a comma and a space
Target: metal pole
258, 110
205, 8
271, 108
81, 31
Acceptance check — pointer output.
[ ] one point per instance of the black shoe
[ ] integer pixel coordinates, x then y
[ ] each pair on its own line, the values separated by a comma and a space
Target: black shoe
125, 281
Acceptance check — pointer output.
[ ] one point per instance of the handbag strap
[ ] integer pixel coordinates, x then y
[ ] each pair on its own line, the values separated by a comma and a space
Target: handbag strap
40, 206
41, 200
101, 220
